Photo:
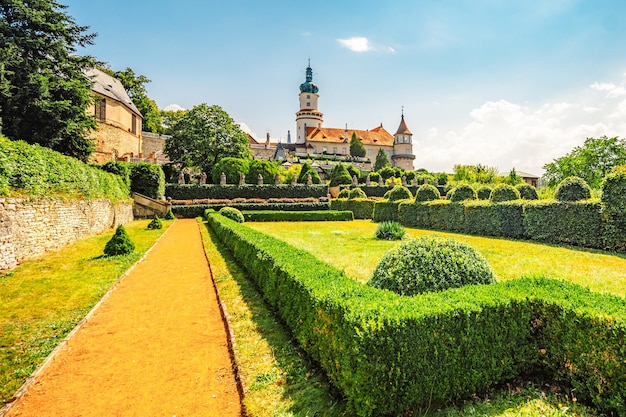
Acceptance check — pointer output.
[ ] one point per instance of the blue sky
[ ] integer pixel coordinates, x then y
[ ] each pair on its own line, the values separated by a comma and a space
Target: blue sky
502, 83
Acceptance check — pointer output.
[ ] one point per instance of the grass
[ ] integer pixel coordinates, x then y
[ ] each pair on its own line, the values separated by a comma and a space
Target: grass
280, 380
352, 246
43, 299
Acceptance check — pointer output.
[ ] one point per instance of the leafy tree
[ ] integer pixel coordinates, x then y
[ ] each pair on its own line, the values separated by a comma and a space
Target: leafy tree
135, 86
232, 169
382, 160
203, 136
353, 171
513, 178
267, 169
44, 92
339, 176
170, 117
592, 161
356, 147
386, 172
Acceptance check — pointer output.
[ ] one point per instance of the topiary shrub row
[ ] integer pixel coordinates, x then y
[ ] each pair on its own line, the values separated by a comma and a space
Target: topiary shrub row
362, 208
192, 211
379, 191
35, 171
232, 213
387, 353
230, 192
297, 216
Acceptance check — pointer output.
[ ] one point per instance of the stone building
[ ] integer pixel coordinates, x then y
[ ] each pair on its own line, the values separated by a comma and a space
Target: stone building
118, 135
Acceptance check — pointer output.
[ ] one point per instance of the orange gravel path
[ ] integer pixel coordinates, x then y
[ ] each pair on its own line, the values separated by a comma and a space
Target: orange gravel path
156, 347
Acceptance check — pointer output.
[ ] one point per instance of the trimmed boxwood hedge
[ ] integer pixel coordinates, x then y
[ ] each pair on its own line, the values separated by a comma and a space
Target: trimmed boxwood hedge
195, 210
387, 353
414, 215
385, 211
361, 207
297, 216
230, 192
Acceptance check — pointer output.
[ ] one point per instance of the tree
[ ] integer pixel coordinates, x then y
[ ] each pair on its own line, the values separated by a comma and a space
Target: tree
44, 91
513, 178
203, 136
592, 161
135, 86
305, 172
169, 118
382, 160
339, 176
356, 147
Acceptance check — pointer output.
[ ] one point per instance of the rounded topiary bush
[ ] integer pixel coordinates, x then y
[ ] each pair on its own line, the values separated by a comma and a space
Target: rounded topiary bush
504, 192
572, 189
345, 193
339, 176
461, 193
390, 230
614, 192
399, 192
427, 192
527, 192
232, 213
430, 263
483, 193
156, 223
357, 193
120, 243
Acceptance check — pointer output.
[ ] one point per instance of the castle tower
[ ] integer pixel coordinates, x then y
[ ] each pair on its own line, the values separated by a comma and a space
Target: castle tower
403, 147
308, 116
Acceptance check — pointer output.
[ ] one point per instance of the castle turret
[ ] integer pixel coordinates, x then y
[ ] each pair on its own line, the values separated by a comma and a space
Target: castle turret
403, 146
308, 116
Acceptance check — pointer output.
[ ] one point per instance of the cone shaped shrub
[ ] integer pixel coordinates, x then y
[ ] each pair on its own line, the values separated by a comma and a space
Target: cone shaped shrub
390, 230
572, 189
428, 264
232, 213
504, 192
156, 223
119, 244
345, 193
427, 192
169, 215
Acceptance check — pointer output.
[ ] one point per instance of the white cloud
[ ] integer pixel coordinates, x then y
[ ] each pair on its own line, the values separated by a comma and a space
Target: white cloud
612, 90
247, 129
356, 44
173, 107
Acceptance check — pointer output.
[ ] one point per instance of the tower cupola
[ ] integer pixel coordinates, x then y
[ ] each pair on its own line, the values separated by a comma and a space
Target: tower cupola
309, 86
308, 117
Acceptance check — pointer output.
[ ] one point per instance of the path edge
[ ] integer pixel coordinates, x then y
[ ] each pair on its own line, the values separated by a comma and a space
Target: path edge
31, 379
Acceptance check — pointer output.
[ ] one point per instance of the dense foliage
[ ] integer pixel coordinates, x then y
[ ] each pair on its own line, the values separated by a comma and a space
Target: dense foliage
120, 243
135, 86
362, 208
430, 263
306, 171
196, 210
204, 135
527, 191
592, 161
504, 192
169, 215
120, 168
614, 192
232, 169
297, 216
427, 192
44, 92
356, 147
389, 231
267, 169
147, 179
339, 175
572, 189
155, 223
345, 193
461, 192
399, 192
382, 160
232, 213
32, 170
231, 192
357, 192
483, 193
358, 334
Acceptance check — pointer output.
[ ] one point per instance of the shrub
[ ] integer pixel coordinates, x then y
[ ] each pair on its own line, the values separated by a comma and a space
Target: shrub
147, 179
386, 173
297, 216
119, 168
339, 176
230, 192
169, 215
345, 193
390, 231
357, 193
385, 211
119, 244
232, 169
572, 189
156, 223
430, 264
527, 192
374, 176
361, 208
414, 215
461, 192
614, 192
483, 193
427, 192
504, 192
305, 172
232, 213
266, 169
445, 215
397, 193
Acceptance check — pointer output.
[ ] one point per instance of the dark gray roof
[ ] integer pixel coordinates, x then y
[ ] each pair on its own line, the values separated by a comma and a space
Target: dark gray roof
111, 87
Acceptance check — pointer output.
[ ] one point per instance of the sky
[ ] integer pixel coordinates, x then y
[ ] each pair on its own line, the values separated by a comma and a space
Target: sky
507, 84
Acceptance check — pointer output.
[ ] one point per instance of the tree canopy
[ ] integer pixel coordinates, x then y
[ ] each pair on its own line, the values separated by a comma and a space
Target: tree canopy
204, 135
356, 147
44, 91
382, 160
592, 161
135, 86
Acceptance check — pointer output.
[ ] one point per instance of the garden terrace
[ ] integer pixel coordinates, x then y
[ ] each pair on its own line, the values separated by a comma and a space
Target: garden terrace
387, 353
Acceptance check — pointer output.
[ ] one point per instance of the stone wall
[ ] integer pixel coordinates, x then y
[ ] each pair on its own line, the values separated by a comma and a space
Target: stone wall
31, 227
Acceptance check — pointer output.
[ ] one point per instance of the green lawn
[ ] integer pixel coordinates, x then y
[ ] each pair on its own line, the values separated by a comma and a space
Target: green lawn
43, 299
351, 246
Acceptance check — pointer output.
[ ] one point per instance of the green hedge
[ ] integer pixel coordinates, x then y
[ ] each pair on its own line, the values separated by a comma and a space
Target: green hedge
446, 215
414, 214
297, 216
387, 352
481, 218
35, 171
385, 211
361, 207
511, 215
147, 179
195, 210
230, 192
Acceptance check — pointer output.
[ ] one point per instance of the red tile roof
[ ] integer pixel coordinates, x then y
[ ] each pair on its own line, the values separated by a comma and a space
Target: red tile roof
403, 129
377, 136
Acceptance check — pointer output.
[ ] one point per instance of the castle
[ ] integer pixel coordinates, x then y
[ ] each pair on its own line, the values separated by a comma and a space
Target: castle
313, 138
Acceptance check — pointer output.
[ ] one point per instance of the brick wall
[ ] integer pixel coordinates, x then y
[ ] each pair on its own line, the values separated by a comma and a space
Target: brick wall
29, 228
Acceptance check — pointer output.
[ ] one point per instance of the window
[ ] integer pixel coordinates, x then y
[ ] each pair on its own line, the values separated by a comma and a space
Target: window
308, 104
101, 110
369, 151
343, 151
334, 149
134, 124
324, 149
308, 96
